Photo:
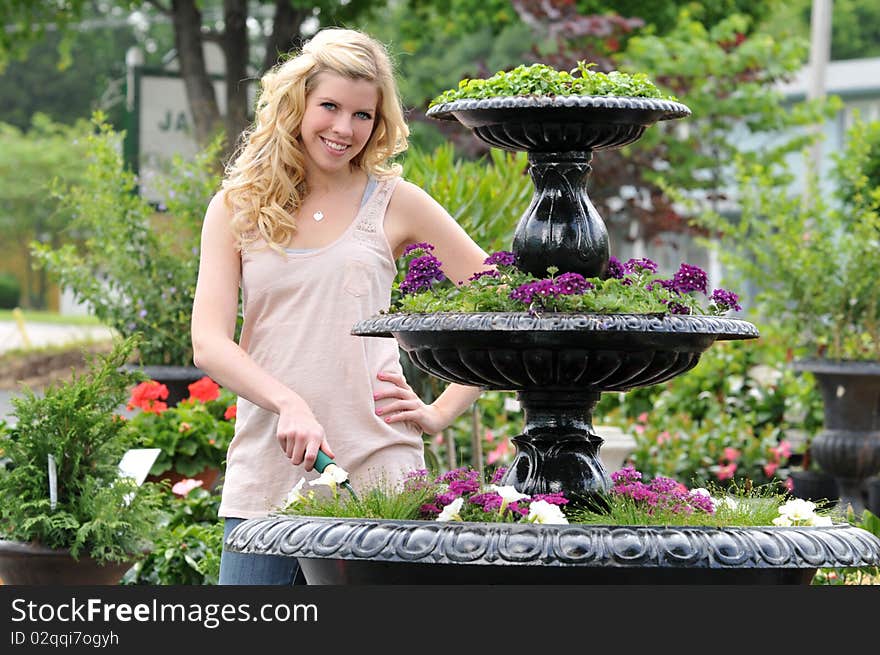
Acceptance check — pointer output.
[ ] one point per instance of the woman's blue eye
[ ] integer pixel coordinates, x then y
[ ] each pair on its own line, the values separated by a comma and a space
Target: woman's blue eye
363, 115
328, 105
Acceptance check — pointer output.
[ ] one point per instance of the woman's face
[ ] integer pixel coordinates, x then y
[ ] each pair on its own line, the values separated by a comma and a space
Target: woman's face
338, 121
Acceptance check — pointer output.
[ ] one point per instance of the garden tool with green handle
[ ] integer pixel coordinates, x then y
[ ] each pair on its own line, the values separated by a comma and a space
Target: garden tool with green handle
322, 461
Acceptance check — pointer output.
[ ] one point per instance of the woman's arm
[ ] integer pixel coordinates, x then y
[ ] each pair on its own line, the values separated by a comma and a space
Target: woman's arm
415, 217
215, 310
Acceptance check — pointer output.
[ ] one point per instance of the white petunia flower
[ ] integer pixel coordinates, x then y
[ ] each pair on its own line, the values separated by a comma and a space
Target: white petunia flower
540, 511
295, 495
822, 521
332, 476
508, 493
782, 521
798, 509
727, 502
451, 511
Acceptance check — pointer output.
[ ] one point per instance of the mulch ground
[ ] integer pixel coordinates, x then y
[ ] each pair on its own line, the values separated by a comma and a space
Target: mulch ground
39, 369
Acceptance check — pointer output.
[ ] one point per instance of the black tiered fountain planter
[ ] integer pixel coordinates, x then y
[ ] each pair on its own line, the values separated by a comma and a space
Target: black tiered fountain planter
559, 364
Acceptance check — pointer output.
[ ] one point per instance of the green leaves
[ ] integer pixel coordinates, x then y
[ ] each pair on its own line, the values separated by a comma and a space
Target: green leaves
134, 266
543, 80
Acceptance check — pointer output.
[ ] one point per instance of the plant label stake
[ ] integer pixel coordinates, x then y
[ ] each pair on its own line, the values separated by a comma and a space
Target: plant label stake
53, 483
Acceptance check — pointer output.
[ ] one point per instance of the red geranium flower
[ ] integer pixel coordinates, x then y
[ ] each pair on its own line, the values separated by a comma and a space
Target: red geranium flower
148, 396
231, 412
205, 389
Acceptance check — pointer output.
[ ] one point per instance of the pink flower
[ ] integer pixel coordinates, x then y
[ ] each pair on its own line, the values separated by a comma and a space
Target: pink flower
789, 484
639, 428
726, 472
783, 450
731, 454
183, 487
770, 469
663, 437
499, 452
643, 417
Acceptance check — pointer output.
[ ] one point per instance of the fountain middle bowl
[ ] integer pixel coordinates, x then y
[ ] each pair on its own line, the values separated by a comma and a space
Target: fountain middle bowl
520, 351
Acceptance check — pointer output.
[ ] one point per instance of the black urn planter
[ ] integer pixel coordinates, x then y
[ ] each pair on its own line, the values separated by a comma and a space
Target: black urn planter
368, 551
816, 486
558, 364
848, 446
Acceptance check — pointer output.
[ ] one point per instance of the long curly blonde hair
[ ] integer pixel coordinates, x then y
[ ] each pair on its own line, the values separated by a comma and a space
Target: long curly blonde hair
265, 183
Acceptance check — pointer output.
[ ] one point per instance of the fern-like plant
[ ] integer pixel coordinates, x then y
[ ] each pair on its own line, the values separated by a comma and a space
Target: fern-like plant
94, 512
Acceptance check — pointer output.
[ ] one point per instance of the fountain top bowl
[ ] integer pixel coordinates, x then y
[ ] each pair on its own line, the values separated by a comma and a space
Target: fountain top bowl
555, 124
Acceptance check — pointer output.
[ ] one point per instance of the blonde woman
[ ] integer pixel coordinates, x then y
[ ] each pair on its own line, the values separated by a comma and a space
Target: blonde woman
308, 225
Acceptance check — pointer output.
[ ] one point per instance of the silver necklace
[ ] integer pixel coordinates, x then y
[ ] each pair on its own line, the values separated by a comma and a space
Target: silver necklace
318, 215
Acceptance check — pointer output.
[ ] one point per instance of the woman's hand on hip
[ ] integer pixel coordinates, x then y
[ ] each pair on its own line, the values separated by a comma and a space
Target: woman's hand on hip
407, 406
301, 436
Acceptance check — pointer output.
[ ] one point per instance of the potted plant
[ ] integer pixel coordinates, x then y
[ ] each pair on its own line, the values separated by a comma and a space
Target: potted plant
192, 435
66, 515
816, 262
135, 263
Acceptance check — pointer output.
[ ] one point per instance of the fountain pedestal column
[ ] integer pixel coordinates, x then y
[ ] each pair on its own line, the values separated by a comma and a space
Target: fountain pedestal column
559, 448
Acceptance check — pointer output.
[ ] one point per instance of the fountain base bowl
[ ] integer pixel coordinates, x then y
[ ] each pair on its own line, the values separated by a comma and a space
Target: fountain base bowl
337, 551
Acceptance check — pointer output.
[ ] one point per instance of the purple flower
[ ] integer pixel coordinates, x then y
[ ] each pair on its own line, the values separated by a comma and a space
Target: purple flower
570, 284
615, 269
678, 308
498, 475
530, 291
501, 258
426, 247
421, 274
639, 265
725, 300
488, 502
690, 278
556, 498
626, 474
477, 276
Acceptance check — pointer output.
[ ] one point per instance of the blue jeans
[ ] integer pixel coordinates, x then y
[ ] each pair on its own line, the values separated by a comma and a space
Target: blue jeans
251, 569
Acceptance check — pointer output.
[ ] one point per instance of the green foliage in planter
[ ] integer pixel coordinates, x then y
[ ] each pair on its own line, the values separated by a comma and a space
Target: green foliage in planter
98, 513
137, 270
193, 435
816, 260
189, 539
544, 80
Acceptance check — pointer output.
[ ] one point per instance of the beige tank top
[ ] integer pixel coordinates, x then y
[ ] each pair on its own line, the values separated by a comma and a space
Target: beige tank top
299, 308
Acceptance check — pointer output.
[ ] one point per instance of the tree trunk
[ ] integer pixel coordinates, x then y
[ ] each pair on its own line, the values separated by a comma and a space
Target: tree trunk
285, 32
235, 49
200, 94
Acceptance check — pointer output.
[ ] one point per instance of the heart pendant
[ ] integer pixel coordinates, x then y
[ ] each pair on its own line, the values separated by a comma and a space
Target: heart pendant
318, 216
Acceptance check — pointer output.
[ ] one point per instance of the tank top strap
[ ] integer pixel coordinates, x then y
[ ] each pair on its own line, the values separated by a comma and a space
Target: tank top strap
371, 219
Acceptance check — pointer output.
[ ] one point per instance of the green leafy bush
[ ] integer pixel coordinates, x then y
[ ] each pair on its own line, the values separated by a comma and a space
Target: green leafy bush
10, 291
135, 268
544, 80
96, 513
816, 260
189, 539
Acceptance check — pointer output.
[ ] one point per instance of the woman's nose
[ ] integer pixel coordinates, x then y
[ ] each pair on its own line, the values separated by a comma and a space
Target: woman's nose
342, 126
